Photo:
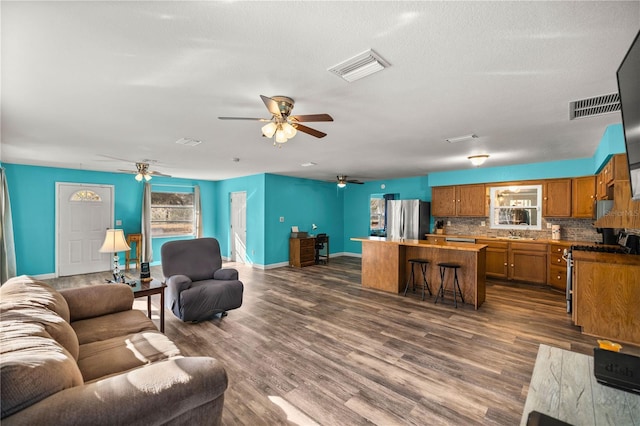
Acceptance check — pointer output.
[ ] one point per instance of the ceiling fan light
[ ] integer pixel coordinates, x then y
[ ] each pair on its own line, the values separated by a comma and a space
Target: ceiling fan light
289, 130
147, 177
280, 136
341, 184
478, 160
269, 129
139, 177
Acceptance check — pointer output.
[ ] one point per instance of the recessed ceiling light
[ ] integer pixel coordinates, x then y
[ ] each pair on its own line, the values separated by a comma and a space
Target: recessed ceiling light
308, 164
464, 138
188, 142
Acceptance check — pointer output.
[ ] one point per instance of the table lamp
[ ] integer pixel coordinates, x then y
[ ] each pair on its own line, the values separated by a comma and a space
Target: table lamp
114, 242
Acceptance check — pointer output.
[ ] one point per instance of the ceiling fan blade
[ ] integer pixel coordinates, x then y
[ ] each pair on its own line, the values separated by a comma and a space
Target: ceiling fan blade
357, 182
243, 118
159, 174
127, 171
271, 105
311, 117
309, 130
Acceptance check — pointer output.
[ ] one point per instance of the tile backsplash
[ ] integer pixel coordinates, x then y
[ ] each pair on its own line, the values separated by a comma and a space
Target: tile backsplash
570, 229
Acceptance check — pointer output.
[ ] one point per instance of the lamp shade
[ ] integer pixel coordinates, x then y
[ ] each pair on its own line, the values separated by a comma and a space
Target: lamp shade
114, 242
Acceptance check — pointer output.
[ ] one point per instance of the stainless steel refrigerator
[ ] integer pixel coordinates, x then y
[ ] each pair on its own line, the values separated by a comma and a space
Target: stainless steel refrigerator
408, 219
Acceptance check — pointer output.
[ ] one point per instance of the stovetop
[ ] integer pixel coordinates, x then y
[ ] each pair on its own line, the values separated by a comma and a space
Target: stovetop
600, 249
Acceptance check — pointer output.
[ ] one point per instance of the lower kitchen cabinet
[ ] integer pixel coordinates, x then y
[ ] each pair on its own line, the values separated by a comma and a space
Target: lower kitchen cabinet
528, 262
497, 258
557, 273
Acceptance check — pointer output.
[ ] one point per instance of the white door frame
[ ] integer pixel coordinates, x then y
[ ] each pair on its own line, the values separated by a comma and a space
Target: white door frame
233, 209
57, 196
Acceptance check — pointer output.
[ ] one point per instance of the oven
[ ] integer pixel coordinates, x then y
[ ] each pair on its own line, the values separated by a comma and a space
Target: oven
567, 255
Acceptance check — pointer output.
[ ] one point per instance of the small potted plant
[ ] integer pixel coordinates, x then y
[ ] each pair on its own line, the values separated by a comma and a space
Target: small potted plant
439, 226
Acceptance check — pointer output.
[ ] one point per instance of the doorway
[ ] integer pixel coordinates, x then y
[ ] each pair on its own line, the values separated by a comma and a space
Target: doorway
238, 202
84, 212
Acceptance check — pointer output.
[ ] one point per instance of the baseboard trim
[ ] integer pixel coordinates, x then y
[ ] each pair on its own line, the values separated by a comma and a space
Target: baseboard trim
43, 276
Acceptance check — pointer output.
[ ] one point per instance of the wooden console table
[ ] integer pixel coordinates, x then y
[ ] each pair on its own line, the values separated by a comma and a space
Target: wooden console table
563, 386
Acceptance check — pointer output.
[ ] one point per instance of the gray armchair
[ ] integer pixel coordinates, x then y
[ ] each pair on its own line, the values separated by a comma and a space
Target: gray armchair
197, 286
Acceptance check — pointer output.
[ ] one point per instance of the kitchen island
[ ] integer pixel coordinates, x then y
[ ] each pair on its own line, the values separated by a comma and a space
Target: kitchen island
385, 265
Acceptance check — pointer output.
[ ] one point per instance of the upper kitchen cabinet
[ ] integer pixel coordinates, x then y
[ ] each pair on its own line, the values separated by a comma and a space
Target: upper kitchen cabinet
461, 200
584, 196
556, 195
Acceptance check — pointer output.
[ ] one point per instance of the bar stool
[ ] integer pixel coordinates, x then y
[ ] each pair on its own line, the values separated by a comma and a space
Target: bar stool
456, 285
423, 263
137, 239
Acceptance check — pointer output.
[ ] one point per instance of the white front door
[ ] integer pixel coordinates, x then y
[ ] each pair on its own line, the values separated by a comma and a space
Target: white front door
84, 213
239, 227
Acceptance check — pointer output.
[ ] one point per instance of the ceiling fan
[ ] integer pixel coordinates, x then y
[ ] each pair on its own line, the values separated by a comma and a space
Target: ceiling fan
282, 124
142, 172
342, 181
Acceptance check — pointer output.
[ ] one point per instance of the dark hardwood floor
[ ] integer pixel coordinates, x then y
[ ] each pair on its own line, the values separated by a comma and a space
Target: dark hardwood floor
311, 346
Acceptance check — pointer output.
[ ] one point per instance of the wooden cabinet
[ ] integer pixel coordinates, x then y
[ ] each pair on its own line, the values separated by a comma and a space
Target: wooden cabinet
601, 186
556, 198
557, 272
584, 197
471, 200
434, 239
528, 262
462, 200
302, 252
443, 201
497, 258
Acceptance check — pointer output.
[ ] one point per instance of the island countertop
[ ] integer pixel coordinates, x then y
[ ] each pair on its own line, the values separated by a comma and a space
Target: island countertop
447, 245
385, 265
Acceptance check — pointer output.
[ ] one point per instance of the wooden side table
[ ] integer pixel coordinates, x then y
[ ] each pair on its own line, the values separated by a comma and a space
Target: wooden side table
137, 239
149, 288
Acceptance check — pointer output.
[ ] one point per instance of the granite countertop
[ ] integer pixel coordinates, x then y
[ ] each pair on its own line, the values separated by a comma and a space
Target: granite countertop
516, 239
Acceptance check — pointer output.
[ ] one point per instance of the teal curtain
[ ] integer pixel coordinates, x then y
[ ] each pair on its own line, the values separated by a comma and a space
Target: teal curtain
7, 247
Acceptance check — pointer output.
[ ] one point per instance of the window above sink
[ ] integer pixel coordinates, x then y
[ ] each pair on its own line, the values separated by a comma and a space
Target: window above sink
516, 207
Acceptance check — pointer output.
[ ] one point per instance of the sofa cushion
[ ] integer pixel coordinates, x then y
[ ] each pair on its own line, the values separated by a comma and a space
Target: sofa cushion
122, 353
112, 325
33, 366
18, 318
102, 299
26, 291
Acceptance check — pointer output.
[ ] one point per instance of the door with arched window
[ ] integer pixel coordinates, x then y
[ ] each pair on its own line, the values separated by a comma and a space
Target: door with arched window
84, 212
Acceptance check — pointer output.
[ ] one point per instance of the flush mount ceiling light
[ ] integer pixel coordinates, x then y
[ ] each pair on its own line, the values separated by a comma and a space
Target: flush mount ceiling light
360, 66
464, 138
478, 160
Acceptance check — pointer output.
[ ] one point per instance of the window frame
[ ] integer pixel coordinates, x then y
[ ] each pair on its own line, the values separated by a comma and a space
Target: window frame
192, 207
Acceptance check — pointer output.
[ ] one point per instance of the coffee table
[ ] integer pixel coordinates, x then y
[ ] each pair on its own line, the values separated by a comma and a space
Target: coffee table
149, 288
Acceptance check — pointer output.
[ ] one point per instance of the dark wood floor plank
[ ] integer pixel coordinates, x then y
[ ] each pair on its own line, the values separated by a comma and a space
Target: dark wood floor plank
311, 346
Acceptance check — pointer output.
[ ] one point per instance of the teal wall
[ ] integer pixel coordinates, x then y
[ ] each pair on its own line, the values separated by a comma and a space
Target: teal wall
301, 202
254, 186
32, 192
356, 204
341, 213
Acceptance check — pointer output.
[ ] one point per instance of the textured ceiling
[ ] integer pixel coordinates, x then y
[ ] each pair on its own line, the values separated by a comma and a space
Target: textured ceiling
83, 82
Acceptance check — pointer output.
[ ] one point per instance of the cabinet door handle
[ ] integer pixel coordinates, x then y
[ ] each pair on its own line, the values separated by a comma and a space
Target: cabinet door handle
559, 277
506, 264
559, 260
512, 265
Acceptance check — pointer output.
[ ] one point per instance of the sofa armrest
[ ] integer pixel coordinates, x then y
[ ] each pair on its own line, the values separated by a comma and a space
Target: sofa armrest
226, 274
97, 300
149, 395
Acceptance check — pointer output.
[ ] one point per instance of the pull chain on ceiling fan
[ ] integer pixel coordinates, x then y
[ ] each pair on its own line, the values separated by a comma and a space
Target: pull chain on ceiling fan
283, 126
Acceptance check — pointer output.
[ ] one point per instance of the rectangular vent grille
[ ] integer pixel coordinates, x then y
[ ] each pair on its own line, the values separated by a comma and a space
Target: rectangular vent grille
590, 107
360, 66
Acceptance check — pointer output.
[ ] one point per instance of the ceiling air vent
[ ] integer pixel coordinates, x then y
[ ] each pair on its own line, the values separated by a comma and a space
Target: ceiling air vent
594, 106
360, 66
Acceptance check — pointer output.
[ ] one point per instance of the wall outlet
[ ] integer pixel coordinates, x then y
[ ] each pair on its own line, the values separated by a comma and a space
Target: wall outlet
281, 219
448, 223
118, 222
548, 225
483, 223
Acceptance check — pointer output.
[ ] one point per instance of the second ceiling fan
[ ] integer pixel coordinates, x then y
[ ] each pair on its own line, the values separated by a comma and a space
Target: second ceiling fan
282, 126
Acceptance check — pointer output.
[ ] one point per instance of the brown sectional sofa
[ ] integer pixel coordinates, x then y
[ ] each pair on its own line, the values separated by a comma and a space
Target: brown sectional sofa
84, 356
